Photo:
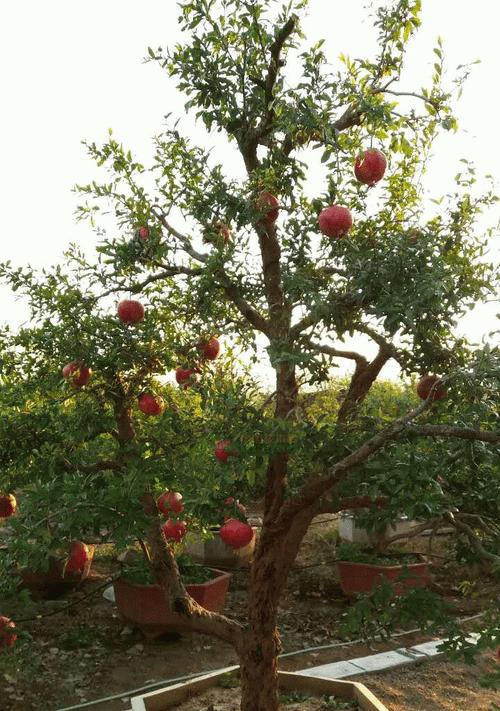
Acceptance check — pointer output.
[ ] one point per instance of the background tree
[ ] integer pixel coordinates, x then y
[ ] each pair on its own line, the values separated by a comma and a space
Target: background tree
245, 257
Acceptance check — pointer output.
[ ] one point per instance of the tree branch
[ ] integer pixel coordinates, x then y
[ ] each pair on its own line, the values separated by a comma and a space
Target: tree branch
247, 310
186, 244
272, 74
362, 379
433, 524
352, 503
168, 271
473, 538
452, 431
335, 353
315, 488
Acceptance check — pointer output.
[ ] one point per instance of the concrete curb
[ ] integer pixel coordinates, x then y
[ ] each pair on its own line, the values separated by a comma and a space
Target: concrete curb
379, 662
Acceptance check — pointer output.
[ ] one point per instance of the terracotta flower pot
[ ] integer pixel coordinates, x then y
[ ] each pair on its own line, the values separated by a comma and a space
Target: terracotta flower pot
55, 582
145, 607
364, 577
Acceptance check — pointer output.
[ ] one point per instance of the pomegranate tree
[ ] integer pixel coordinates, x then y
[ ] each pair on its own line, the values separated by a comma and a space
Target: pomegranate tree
286, 300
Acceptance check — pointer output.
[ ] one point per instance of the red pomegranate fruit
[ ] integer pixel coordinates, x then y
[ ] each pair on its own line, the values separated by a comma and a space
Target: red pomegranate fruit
78, 556
370, 167
430, 385
174, 530
268, 204
236, 533
220, 450
209, 349
185, 376
170, 502
143, 232
8, 505
130, 311
150, 404
7, 634
76, 373
335, 221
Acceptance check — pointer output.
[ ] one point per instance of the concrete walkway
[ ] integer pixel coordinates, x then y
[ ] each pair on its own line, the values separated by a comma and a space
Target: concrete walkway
378, 662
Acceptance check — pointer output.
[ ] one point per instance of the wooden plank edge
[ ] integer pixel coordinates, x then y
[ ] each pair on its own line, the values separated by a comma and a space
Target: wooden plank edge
177, 693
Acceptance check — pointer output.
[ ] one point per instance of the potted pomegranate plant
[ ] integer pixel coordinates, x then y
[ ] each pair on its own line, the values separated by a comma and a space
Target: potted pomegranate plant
142, 603
59, 574
361, 570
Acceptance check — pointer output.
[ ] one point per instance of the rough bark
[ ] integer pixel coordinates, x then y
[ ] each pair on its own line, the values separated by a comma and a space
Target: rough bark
363, 378
261, 643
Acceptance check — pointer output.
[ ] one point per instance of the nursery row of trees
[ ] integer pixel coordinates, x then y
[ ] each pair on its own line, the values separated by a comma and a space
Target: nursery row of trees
207, 254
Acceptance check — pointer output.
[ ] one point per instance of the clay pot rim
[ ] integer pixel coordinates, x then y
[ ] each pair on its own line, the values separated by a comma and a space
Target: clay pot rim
381, 566
217, 578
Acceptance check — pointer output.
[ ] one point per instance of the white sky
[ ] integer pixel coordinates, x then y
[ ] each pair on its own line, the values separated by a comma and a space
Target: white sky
71, 70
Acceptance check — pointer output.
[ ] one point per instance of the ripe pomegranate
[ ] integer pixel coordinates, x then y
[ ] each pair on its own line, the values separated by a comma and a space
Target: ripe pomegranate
209, 349
335, 221
170, 501
370, 167
426, 384
7, 636
220, 450
174, 530
78, 556
8, 505
150, 404
130, 311
236, 533
185, 376
76, 373
143, 232
269, 205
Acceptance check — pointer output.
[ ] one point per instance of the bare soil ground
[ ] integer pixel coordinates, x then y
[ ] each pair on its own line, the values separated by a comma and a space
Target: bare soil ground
228, 700
434, 686
86, 653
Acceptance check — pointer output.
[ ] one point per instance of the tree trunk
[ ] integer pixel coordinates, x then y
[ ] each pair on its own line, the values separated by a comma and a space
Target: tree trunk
260, 643
259, 671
